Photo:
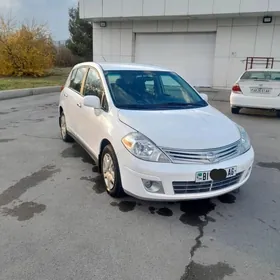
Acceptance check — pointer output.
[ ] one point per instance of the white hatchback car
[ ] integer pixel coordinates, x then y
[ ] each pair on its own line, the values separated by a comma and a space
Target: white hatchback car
152, 134
257, 88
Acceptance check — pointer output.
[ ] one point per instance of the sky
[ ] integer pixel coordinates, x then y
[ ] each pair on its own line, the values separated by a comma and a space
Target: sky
52, 12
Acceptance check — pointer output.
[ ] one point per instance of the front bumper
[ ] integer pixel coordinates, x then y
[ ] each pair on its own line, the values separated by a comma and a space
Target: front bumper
134, 170
243, 101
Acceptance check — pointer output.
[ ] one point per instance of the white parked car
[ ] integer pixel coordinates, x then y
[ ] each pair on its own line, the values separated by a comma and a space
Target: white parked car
152, 134
257, 88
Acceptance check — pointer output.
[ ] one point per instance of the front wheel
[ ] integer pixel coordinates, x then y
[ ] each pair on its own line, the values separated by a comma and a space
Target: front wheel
111, 172
278, 113
235, 110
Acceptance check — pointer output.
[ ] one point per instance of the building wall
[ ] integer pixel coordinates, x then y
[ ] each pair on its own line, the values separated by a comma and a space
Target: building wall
98, 9
236, 38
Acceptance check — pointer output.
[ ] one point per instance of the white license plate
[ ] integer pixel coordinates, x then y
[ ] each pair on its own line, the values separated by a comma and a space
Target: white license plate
205, 176
260, 90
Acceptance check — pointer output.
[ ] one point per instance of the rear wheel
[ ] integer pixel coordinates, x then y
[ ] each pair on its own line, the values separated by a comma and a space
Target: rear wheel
278, 113
111, 172
235, 110
63, 129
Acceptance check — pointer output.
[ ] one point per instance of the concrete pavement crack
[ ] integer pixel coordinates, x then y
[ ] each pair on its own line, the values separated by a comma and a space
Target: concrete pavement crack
196, 214
196, 246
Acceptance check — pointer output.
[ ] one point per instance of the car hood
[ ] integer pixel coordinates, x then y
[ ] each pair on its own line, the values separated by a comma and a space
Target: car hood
202, 128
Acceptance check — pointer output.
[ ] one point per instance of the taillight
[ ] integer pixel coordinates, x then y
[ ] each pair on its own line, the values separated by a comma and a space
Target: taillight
62, 88
236, 89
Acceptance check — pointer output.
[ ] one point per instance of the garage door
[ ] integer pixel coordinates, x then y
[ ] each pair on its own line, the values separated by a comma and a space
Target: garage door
191, 54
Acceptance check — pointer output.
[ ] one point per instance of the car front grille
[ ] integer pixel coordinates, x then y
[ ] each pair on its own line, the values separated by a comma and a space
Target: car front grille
188, 187
203, 156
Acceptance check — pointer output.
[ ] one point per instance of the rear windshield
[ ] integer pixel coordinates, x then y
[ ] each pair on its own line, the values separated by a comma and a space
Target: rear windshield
261, 75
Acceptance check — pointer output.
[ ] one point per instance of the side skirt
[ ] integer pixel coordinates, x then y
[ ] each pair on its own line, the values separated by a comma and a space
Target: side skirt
95, 158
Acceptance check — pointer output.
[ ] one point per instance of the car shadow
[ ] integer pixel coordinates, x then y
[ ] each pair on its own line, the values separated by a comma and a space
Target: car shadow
258, 113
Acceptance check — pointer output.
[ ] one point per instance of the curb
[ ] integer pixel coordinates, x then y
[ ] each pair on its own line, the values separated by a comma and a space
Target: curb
11, 94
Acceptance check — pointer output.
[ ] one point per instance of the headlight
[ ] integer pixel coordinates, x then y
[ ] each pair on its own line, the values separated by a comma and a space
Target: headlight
143, 148
245, 144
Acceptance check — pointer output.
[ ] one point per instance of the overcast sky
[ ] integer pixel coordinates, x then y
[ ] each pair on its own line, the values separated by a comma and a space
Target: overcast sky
52, 12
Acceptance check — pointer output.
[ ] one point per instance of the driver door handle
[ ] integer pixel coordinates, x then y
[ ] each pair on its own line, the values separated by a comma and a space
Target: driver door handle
79, 105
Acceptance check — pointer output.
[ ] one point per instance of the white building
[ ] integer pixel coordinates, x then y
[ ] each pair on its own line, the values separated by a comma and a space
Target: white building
205, 41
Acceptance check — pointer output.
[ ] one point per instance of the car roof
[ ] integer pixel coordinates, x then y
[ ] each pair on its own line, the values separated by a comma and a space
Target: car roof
106, 66
263, 70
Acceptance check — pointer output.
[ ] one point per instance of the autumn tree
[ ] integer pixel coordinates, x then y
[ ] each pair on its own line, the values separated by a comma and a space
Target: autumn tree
25, 50
80, 42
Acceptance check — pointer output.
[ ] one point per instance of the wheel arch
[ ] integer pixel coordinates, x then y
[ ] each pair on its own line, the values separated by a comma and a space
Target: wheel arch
60, 109
105, 142
60, 112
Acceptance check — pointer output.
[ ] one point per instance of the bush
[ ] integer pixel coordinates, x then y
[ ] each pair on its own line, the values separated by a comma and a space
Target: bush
65, 58
25, 51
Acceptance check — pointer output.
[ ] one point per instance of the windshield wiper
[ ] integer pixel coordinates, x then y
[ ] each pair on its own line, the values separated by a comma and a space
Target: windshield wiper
180, 104
161, 106
134, 106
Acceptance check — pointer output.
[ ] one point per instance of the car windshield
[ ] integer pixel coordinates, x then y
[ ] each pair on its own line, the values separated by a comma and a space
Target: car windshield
261, 75
152, 90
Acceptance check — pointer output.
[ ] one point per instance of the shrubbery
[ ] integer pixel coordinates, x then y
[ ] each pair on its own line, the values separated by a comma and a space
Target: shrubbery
65, 58
26, 50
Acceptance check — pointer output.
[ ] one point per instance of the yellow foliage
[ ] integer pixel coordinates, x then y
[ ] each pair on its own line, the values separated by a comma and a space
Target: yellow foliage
25, 51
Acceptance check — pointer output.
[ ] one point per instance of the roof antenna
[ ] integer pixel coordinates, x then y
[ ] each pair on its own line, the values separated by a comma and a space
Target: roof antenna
104, 58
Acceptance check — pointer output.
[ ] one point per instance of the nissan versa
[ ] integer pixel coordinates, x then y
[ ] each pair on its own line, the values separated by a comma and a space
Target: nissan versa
152, 134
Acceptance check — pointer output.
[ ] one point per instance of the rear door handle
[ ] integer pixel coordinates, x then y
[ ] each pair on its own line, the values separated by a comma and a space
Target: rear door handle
79, 105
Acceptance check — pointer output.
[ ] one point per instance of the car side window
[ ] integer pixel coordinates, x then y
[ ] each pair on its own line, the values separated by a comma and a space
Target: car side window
172, 88
93, 84
77, 79
150, 86
73, 75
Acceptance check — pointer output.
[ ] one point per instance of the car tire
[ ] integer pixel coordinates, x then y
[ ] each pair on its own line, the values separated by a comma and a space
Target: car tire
63, 129
278, 113
235, 110
111, 173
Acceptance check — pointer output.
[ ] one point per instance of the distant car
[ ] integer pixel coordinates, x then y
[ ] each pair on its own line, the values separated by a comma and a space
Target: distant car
152, 134
258, 89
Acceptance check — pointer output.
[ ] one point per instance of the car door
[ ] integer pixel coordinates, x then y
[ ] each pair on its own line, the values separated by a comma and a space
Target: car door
75, 100
92, 125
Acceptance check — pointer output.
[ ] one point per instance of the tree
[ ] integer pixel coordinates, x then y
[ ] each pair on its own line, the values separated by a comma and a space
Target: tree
26, 50
80, 42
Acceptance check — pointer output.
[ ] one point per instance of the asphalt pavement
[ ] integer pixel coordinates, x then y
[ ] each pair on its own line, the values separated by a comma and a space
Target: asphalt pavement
57, 222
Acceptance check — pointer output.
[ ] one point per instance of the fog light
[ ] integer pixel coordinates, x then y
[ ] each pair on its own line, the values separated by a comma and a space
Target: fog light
153, 186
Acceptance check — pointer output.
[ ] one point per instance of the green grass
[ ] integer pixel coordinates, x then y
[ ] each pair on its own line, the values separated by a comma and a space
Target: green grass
56, 77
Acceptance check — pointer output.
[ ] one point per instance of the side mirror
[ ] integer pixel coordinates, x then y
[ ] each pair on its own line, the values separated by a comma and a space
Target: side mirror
92, 102
204, 96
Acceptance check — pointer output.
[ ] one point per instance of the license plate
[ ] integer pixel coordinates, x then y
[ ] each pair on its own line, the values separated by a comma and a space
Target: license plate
260, 90
205, 176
